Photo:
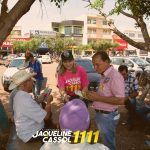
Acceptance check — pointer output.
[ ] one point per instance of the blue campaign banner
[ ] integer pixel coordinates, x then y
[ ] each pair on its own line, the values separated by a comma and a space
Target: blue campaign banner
43, 45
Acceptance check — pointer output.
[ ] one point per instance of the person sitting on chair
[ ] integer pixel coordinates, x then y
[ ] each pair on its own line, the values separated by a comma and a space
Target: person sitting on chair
29, 116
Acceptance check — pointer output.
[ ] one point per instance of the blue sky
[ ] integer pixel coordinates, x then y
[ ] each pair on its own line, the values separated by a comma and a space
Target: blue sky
38, 19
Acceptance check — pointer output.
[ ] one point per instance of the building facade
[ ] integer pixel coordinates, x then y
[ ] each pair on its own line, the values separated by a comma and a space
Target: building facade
135, 35
85, 29
15, 35
72, 29
16, 32
138, 37
95, 29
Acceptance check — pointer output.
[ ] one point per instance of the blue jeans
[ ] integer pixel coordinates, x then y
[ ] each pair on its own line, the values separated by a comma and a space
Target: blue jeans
37, 87
143, 111
133, 101
131, 107
106, 123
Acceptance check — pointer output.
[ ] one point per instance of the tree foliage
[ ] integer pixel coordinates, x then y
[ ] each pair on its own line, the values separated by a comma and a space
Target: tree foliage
136, 7
54, 44
31, 45
8, 18
103, 45
84, 47
138, 10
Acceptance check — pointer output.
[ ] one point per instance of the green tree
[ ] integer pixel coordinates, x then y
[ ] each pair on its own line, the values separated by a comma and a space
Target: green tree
138, 10
59, 44
69, 43
84, 47
8, 18
32, 45
81, 48
103, 45
18, 46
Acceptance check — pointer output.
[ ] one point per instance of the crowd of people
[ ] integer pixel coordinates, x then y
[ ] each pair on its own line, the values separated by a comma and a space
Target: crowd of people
116, 87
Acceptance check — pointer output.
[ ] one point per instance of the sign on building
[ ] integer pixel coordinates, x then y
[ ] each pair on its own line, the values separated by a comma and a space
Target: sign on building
43, 45
122, 43
42, 33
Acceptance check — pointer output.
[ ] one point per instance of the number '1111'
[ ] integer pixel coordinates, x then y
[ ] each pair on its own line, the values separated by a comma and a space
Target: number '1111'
86, 136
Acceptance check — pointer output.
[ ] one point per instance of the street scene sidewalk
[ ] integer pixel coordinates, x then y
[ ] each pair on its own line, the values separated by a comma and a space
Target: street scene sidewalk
126, 140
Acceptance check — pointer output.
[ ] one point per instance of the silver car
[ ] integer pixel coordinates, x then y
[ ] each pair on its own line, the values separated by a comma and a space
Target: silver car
11, 70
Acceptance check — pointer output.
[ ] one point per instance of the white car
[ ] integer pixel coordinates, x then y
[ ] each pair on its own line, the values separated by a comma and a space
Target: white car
147, 58
135, 64
87, 57
44, 59
11, 70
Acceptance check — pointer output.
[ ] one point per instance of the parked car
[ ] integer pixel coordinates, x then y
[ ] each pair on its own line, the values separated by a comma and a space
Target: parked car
87, 57
9, 58
44, 59
22, 54
11, 70
135, 64
93, 76
142, 63
147, 58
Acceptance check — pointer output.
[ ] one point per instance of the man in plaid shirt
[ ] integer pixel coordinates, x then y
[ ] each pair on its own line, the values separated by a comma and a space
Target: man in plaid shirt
131, 92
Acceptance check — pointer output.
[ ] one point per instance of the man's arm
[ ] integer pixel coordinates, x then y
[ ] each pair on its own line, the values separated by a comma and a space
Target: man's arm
94, 96
48, 110
48, 107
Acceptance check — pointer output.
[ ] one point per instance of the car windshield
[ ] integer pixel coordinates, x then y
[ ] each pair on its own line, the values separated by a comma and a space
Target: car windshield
87, 65
140, 61
16, 63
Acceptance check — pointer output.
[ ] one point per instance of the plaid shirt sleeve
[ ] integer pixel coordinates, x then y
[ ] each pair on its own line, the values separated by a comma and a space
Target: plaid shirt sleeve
135, 85
131, 85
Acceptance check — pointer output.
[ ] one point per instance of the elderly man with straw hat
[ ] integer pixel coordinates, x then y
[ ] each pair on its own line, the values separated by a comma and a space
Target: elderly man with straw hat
28, 115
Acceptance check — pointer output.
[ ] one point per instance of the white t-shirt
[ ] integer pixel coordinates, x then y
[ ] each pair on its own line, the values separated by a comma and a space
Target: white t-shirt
28, 115
79, 146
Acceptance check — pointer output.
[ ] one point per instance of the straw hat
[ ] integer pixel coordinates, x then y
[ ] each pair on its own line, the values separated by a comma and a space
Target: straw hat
20, 77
